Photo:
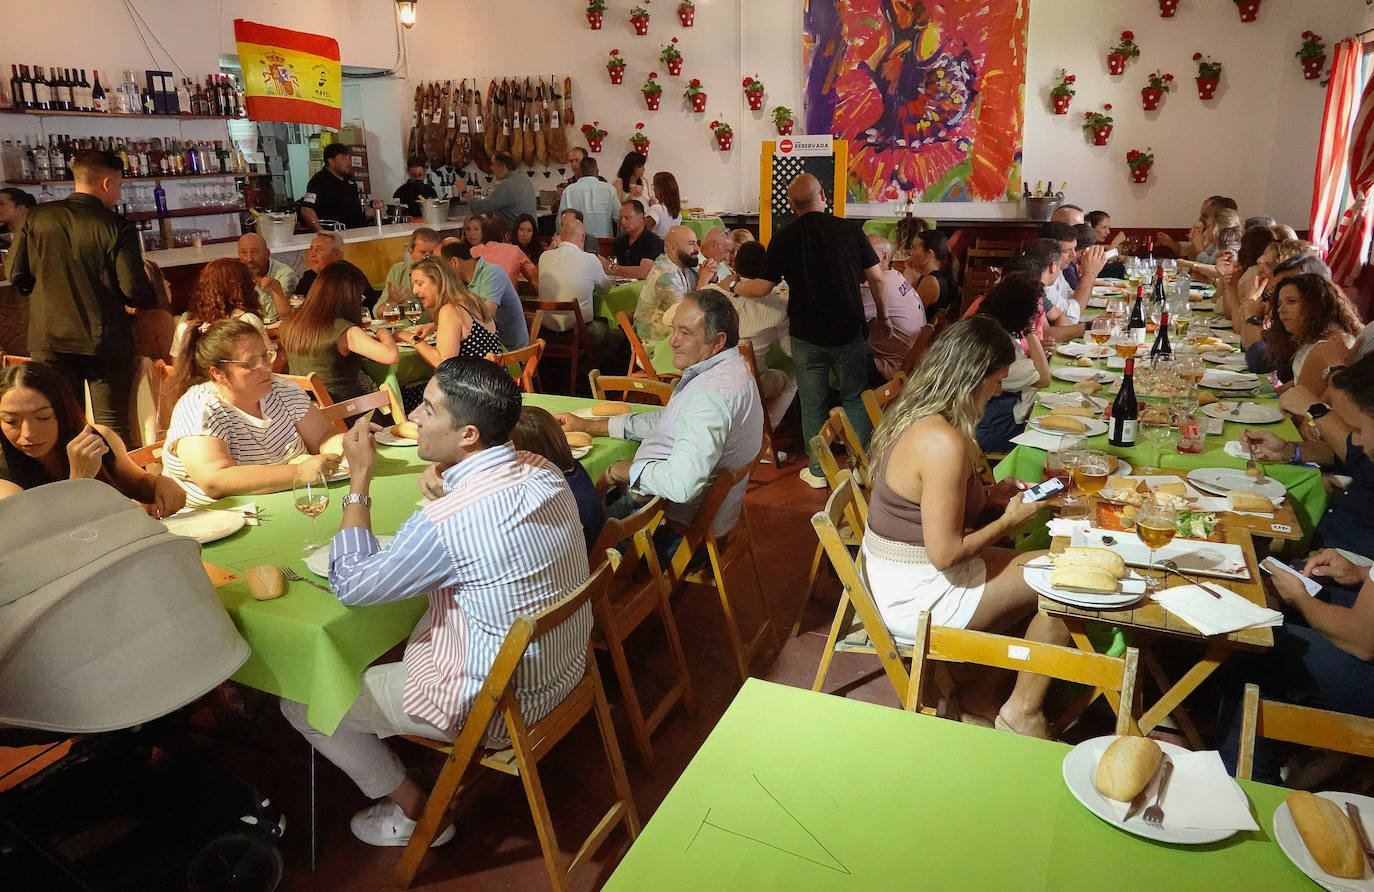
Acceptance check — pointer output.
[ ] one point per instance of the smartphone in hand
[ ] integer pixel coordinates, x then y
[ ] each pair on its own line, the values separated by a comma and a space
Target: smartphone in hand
1043, 490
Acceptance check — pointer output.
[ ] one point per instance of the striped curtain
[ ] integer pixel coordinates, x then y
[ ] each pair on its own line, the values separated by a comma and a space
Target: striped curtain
1333, 153
1351, 244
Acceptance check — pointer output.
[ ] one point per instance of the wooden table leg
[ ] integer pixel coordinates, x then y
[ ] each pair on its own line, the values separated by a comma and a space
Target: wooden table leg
1171, 700
1080, 639
1185, 721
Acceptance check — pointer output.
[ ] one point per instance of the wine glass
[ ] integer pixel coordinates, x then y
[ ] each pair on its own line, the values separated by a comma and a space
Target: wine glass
1157, 436
414, 311
1156, 525
1102, 331
310, 493
1091, 470
1190, 369
391, 313
1070, 453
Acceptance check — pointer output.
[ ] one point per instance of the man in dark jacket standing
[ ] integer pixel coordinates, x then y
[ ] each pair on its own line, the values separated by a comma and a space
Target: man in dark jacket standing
80, 264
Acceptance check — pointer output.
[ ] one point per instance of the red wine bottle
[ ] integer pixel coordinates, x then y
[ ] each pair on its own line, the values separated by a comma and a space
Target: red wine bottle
1161, 345
1135, 327
1125, 410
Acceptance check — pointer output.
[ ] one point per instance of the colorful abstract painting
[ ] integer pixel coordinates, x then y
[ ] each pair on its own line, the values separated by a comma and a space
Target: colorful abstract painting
928, 94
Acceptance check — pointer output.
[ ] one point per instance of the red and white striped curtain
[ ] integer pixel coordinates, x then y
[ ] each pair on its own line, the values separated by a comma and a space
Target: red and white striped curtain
1333, 153
1351, 243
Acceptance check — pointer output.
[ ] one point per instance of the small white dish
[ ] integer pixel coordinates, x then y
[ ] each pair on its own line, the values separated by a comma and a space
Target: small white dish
1290, 842
318, 561
205, 524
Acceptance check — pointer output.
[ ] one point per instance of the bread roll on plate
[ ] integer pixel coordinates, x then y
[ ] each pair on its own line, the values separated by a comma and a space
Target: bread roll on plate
1088, 387
606, 409
1328, 834
1090, 579
1244, 500
1084, 556
578, 439
1126, 767
1075, 411
1062, 423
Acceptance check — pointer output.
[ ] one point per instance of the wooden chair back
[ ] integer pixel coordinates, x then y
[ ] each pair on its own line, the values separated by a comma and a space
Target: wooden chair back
919, 346
980, 256
855, 450
312, 384
625, 386
641, 363
572, 344
943, 319
878, 399
952, 645
339, 413
1005, 248
529, 744
534, 320
639, 589
976, 284
1303, 725
147, 456
830, 435
523, 364
7, 359
770, 449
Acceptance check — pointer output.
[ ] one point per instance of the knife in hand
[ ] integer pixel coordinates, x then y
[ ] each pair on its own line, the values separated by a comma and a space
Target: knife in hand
1363, 836
1146, 794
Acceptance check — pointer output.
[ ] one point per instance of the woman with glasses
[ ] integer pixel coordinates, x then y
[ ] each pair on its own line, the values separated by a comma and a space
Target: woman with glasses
238, 428
47, 438
325, 336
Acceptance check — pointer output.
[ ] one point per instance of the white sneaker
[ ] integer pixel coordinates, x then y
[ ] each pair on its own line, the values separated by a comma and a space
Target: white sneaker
384, 824
815, 481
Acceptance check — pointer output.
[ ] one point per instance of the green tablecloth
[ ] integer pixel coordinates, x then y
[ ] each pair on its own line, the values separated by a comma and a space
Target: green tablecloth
306, 646
621, 298
410, 368
798, 790
702, 225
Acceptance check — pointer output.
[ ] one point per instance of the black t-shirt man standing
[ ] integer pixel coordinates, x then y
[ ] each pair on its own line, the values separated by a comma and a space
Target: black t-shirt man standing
331, 194
415, 188
823, 259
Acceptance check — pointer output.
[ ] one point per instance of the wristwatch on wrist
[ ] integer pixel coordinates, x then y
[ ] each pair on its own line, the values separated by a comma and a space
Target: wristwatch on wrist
1318, 410
356, 498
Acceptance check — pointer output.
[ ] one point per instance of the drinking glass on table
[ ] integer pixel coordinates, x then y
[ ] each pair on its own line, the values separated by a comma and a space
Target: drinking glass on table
414, 310
310, 493
1158, 436
391, 313
1190, 369
1071, 451
1155, 525
1103, 330
1091, 470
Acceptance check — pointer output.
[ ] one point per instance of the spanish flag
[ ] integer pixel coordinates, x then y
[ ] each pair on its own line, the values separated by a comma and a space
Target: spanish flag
289, 75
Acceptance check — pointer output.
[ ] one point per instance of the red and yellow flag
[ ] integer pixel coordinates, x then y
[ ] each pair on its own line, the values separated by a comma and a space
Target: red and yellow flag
289, 75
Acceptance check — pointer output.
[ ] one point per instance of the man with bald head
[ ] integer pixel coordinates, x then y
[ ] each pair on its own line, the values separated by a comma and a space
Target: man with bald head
677, 272
824, 259
568, 273
274, 279
1071, 214
716, 245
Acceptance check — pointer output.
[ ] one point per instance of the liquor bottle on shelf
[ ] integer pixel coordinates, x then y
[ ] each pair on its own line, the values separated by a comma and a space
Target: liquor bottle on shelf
1125, 410
240, 101
1025, 189
56, 163
99, 101
1135, 328
42, 164
183, 98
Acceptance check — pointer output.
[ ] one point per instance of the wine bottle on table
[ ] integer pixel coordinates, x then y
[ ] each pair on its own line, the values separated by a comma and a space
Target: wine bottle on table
1161, 345
1125, 410
1135, 327
1157, 294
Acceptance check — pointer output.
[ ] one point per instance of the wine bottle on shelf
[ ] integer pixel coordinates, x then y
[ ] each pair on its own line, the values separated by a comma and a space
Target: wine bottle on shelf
99, 102
72, 85
17, 91
1135, 327
42, 96
86, 104
1125, 410
1025, 189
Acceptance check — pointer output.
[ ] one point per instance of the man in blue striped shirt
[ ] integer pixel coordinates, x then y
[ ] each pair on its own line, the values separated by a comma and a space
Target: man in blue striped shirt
503, 541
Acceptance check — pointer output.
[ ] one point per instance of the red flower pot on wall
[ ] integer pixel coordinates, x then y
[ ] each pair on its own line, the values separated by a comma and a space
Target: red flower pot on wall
755, 101
594, 20
651, 100
1150, 96
675, 67
1061, 104
640, 24
1167, 8
1140, 174
699, 102
724, 141
785, 129
1248, 9
1101, 134
594, 144
642, 147
1312, 68
1116, 63
687, 15
617, 75
1207, 87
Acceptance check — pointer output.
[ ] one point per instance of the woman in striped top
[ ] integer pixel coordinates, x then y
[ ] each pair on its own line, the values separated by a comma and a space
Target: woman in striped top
238, 428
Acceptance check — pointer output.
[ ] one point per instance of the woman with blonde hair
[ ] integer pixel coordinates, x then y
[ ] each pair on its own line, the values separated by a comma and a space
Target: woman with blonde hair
462, 323
1218, 235
930, 543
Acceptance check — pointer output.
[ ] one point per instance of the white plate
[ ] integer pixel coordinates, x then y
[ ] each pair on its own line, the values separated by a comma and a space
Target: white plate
587, 413
1219, 322
1038, 578
1094, 427
205, 524
387, 438
1123, 468
318, 561
1290, 841
580, 452
1098, 303
1223, 357
1223, 480
1050, 400
1197, 556
1221, 379
1075, 349
1203, 305
1250, 413
1076, 375
1229, 337
1080, 767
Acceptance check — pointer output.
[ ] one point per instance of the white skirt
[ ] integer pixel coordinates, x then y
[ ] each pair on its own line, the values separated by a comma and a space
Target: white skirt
904, 583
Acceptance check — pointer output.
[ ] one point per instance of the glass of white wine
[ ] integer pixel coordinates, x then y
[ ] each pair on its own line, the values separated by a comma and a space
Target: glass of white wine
1156, 525
310, 493
1103, 330
414, 310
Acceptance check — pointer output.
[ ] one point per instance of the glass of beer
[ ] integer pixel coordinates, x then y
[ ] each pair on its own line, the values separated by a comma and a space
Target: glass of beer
414, 311
1070, 453
1103, 330
1091, 470
391, 313
1155, 525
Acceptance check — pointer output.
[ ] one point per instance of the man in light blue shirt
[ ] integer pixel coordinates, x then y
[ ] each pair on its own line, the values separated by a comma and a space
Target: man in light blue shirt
273, 280
512, 196
489, 282
712, 424
422, 243
595, 198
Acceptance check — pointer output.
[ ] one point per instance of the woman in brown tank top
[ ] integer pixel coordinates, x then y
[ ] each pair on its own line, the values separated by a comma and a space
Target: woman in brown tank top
932, 525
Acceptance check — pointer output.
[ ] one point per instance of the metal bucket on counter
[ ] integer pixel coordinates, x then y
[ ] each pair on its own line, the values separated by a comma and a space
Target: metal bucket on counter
1041, 208
276, 229
434, 211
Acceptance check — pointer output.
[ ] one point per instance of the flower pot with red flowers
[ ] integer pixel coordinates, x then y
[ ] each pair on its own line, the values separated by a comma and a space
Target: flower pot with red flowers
594, 135
1248, 9
615, 67
671, 56
783, 120
1208, 76
1167, 8
653, 91
725, 137
1312, 53
639, 20
695, 94
1140, 163
1062, 92
1098, 125
595, 10
1125, 50
639, 140
753, 91
687, 13
1158, 84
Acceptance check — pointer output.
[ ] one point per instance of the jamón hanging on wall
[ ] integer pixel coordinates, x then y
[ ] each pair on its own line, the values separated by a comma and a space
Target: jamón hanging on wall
454, 126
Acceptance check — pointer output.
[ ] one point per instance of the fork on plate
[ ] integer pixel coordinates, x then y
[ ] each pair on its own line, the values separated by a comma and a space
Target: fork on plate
1154, 815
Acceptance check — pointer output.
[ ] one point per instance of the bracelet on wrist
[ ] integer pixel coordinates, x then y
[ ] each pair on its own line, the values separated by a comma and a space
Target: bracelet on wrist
1297, 454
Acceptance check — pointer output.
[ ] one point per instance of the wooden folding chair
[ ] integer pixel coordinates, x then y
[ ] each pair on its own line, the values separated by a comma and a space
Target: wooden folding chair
312, 384
920, 345
878, 399
857, 627
148, 455
638, 589
534, 319
1303, 725
523, 364
822, 446
980, 256
770, 450
659, 391
529, 745
976, 284
1005, 248
572, 344
7, 359
338, 413
854, 450
641, 363
721, 553
951, 645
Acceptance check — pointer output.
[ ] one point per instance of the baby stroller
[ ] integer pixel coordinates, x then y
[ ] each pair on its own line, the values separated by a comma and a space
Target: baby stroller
109, 628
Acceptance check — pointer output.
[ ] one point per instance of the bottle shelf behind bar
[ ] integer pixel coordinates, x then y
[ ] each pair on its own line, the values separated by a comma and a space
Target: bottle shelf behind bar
39, 113
187, 212
161, 176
